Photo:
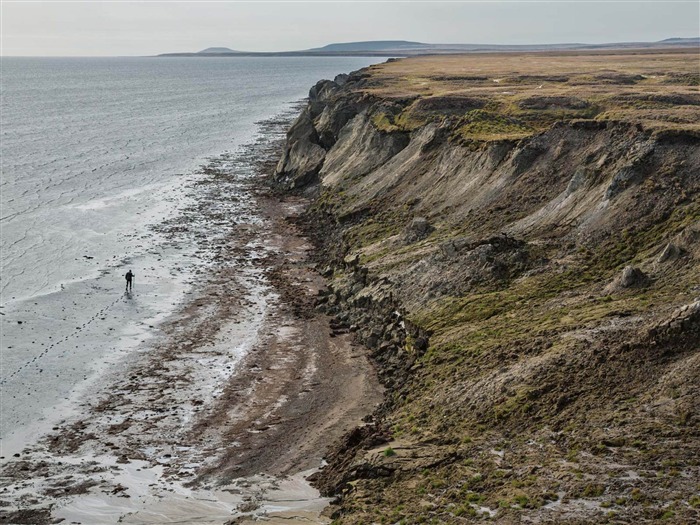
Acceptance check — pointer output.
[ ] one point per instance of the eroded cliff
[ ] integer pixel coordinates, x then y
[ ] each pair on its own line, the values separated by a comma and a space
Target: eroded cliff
516, 240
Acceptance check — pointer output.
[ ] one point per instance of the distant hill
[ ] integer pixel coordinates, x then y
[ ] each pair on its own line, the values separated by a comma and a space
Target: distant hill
372, 45
399, 48
680, 41
216, 51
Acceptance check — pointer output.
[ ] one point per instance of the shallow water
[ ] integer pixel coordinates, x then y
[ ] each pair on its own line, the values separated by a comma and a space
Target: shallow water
96, 154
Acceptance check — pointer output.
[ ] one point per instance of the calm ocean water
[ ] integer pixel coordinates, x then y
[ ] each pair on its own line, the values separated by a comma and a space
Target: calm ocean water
94, 152
81, 135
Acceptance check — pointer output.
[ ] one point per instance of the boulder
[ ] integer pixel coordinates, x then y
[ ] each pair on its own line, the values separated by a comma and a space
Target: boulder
417, 230
631, 277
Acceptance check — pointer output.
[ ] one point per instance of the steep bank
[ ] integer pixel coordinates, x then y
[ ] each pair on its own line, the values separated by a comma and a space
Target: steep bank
516, 242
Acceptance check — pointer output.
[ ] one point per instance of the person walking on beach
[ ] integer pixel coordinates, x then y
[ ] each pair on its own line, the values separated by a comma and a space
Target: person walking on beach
129, 280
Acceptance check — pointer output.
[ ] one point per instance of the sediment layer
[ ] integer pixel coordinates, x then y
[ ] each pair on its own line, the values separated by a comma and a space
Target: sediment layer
515, 240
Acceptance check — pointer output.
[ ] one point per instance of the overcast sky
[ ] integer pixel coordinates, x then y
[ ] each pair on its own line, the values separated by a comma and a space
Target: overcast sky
83, 28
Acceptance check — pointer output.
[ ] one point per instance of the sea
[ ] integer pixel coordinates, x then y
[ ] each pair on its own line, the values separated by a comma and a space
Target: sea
96, 153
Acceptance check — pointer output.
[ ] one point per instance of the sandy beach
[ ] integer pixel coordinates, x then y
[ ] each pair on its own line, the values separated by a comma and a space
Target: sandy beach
221, 416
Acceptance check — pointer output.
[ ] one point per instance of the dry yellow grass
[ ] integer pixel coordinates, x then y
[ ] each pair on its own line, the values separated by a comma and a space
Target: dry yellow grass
519, 94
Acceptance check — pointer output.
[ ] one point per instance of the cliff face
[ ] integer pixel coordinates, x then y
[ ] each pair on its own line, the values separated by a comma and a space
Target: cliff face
528, 288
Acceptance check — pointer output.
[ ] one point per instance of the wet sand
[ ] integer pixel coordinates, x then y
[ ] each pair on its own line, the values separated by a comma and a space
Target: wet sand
221, 417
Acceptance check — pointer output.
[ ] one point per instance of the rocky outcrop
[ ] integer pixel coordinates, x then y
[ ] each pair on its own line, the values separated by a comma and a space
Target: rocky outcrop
418, 229
316, 131
630, 277
367, 307
358, 149
301, 162
684, 321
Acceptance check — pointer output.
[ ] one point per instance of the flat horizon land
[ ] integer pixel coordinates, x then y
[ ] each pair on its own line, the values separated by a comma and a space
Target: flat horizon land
532, 90
403, 48
190, 431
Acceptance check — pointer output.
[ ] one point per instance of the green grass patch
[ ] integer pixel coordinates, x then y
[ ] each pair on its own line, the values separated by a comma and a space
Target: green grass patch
481, 124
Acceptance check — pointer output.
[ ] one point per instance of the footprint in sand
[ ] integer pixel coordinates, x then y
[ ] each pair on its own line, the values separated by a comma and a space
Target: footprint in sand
63, 340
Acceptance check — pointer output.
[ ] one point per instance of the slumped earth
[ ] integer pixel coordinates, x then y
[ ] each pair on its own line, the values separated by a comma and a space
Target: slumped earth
515, 238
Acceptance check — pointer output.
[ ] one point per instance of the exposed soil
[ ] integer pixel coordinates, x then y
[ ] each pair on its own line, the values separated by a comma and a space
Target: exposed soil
526, 278
309, 385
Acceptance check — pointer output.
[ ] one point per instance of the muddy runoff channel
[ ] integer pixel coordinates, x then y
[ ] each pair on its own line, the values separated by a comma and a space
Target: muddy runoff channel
222, 416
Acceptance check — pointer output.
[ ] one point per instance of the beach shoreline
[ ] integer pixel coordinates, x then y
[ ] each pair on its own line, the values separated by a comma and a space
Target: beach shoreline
238, 395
